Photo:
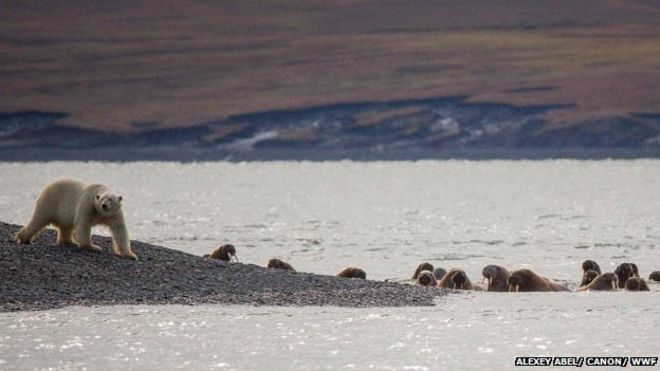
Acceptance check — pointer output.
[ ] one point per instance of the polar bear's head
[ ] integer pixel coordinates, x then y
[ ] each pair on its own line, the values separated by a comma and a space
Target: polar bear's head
108, 203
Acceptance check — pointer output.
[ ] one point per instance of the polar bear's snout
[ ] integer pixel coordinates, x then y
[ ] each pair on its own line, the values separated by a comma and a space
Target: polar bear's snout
108, 202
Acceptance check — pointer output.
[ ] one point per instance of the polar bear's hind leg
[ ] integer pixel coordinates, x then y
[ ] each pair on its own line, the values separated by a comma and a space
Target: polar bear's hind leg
30, 230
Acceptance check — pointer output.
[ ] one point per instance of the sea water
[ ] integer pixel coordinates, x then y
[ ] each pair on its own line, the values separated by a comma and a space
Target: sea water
384, 217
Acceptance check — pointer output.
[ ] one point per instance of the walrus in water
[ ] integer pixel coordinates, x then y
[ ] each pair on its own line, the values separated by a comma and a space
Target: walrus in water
655, 276
604, 282
422, 267
353, 273
456, 279
497, 278
279, 264
224, 252
525, 280
426, 278
590, 265
636, 284
588, 276
439, 272
625, 271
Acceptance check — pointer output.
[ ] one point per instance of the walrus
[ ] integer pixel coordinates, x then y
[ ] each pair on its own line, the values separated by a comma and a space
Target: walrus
655, 276
636, 284
426, 278
422, 267
591, 265
456, 279
604, 282
497, 278
588, 276
224, 252
525, 280
439, 272
352, 272
279, 264
625, 271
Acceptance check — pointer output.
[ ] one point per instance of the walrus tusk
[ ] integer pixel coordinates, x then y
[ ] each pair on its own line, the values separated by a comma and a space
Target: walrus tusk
517, 288
490, 281
613, 285
454, 286
236, 257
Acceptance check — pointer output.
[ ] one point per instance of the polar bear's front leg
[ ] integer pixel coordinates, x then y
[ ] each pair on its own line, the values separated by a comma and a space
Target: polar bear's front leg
83, 233
121, 244
64, 235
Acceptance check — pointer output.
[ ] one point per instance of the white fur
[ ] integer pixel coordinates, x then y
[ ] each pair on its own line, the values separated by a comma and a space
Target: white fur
74, 208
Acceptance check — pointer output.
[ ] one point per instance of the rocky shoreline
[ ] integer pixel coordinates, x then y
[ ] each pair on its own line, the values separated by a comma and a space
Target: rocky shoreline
43, 276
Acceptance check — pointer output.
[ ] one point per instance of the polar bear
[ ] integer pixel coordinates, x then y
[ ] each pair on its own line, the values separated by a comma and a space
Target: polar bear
73, 208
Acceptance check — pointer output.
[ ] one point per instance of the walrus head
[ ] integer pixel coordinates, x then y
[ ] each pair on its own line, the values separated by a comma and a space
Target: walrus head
604, 282
225, 252
625, 271
496, 277
352, 272
655, 276
636, 284
280, 264
458, 278
426, 278
439, 272
590, 265
515, 280
524, 280
422, 267
588, 276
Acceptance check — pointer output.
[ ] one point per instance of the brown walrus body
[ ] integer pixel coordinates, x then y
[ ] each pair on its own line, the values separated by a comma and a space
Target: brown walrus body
422, 267
604, 282
224, 252
456, 279
497, 278
439, 272
588, 276
636, 284
279, 264
591, 265
525, 280
655, 276
426, 278
625, 271
352, 272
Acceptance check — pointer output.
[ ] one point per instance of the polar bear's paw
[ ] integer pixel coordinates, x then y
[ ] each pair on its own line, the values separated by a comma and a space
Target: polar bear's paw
22, 238
91, 247
131, 255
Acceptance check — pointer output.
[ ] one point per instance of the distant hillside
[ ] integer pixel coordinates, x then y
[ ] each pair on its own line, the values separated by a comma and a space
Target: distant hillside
405, 129
583, 74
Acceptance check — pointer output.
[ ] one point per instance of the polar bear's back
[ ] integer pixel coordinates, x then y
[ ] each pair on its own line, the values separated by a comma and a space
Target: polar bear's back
59, 201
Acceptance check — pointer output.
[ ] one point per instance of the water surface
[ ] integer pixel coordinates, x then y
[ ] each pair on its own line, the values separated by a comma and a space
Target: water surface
386, 218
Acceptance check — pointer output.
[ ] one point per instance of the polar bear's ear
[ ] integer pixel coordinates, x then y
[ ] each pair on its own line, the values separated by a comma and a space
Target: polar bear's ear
98, 197
121, 198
